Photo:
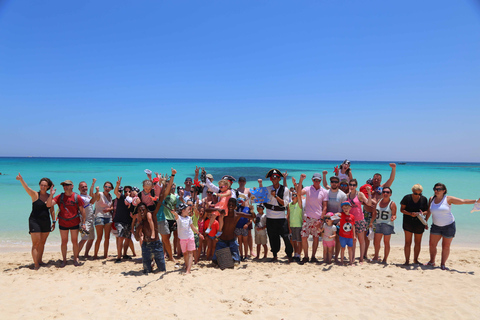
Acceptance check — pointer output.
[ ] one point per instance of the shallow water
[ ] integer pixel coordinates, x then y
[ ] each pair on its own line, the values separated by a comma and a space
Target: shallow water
15, 204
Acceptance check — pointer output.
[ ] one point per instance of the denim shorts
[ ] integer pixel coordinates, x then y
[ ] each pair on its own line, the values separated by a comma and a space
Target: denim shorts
345, 242
384, 229
100, 221
445, 231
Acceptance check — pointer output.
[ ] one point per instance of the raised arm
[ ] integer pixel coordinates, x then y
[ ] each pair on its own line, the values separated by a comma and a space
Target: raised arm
197, 169
454, 200
260, 183
92, 187
211, 186
300, 191
165, 192
389, 182
324, 180
285, 175
117, 193
33, 194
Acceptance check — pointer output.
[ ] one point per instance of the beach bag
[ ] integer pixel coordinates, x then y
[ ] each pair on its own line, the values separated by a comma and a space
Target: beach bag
224, 258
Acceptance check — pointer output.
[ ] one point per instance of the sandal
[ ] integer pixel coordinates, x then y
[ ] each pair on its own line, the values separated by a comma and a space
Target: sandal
431, 264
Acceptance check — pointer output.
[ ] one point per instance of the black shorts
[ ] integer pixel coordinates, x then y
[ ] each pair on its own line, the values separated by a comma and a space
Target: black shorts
413, 226
39, 225
172, 225
70, 228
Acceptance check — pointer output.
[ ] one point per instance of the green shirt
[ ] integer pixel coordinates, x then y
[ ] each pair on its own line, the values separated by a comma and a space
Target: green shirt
296, 215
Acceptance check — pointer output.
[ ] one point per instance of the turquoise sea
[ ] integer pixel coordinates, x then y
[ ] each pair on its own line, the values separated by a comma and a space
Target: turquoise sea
15, 205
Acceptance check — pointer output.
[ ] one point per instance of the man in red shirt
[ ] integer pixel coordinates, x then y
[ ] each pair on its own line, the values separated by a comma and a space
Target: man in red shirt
71, 206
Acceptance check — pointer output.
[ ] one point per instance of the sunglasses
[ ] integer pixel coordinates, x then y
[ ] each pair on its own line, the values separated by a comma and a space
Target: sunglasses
438, 189
343, 185
386, 191
107, 187
417, 194
352, 185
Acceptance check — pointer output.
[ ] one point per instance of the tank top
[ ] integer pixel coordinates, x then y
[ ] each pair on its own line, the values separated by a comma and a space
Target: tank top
343, 176
441, 213
39, 210
384, 215
356, 210
102, 204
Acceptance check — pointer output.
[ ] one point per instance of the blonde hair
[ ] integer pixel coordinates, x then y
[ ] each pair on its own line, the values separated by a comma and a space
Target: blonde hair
417, 187
147, 182
225, 182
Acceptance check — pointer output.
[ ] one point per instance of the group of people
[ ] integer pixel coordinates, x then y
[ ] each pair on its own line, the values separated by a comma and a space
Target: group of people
205, 217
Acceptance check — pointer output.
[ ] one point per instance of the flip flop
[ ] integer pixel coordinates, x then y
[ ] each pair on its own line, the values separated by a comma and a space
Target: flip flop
431, 264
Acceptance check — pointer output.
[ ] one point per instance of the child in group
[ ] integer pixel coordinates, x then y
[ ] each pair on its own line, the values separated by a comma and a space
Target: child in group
223, 197
197, 219
210, 237
295, 221
241, 228
329, 233
347, 231
186, 231
147, 229
261, 231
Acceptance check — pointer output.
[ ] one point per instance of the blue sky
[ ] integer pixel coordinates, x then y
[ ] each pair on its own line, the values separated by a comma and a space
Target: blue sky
363, 80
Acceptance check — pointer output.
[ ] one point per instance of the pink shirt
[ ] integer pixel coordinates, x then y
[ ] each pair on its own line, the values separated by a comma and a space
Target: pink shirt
314, 202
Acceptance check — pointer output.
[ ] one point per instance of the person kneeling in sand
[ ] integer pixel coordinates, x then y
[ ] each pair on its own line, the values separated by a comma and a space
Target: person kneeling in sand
151, 245
228, 239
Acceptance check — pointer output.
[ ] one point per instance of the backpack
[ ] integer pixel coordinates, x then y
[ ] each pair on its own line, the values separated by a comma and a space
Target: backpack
63, 203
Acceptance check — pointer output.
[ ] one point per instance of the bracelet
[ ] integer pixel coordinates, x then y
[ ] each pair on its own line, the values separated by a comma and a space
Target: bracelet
54, 221
172, 175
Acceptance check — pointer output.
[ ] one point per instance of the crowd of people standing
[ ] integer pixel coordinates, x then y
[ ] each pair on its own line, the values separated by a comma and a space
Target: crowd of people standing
205, 217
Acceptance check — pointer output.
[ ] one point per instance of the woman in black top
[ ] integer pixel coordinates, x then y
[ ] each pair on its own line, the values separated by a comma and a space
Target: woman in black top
39, 220
413, 206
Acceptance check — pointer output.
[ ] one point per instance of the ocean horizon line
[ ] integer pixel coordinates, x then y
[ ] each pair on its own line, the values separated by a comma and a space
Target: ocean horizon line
233, 160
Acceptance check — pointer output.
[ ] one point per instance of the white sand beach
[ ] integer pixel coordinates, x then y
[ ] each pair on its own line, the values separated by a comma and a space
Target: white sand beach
255, 289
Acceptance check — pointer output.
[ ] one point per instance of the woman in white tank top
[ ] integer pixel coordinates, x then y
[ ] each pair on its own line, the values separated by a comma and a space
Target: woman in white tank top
443, 226
384, 223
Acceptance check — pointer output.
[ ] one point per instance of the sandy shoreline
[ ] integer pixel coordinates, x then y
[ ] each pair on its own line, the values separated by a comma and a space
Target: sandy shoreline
102, 288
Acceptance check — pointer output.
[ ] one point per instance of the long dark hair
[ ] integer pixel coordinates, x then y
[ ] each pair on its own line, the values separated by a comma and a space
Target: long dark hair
438, 184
